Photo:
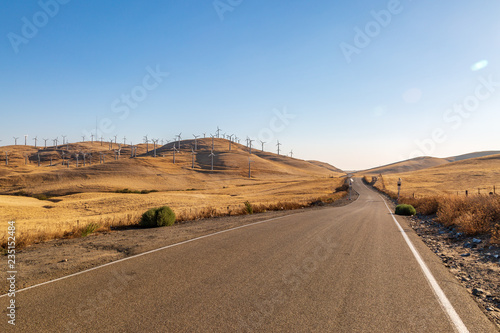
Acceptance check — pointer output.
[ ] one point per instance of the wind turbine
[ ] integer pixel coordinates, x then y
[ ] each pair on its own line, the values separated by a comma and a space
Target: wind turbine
279, 144
64, 138
174, 150
7, 157
155, 141
55, 141
262, 142
77, 155
218, 132
45, 146
115, 138
124, 140
179, 138
36, 139
83, 138
212, 142
15, 140
212, 156
91, 138
250, 141
291, 153
26, 139
196, 141
146, 141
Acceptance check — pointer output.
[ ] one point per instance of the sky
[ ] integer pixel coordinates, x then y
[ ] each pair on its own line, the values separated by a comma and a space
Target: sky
356, 84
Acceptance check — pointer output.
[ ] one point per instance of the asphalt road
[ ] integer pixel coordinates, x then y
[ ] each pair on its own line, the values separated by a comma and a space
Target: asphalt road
345, 269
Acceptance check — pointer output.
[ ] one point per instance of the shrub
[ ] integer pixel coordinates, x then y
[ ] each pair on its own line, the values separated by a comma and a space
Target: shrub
406, 210
248, 207
148, 219
165, 217
342, 188
158, 217
90, 228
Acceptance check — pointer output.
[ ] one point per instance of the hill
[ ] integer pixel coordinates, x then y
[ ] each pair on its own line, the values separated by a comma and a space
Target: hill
101, 168
413, 164
420, 163
476, 175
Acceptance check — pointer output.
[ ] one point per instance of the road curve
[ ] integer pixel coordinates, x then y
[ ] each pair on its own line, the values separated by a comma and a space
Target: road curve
345, 269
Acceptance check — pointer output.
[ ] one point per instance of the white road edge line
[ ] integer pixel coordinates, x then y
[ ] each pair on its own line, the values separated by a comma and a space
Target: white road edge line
443, 300
148, 252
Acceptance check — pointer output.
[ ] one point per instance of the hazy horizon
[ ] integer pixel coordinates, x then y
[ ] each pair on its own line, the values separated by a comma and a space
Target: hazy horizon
358, 85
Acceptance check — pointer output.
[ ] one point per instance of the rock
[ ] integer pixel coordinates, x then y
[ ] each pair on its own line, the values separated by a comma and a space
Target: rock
64, 260
476, 240
489, 309
465, 254
496, 256
477, 292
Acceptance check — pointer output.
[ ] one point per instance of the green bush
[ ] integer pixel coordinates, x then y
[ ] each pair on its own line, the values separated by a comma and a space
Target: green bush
248, 207
165, 216
404, 209
158, 217
90, 228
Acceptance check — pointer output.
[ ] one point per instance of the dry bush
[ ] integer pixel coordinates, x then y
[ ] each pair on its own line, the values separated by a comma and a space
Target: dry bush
424, 206
472, 215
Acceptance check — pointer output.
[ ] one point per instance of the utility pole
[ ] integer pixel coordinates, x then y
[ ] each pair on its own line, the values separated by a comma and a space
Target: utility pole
399, 187
193, 153
249, 168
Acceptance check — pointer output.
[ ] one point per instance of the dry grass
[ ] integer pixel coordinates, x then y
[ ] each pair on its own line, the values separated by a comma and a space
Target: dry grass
108, 223
472, 215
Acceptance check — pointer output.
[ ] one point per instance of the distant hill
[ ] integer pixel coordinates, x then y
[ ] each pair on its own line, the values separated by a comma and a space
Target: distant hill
472, 155
421, 163
413, 164
480, 174
326, 166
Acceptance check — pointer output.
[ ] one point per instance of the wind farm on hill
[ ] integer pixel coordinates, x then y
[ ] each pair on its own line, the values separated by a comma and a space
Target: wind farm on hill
52, 189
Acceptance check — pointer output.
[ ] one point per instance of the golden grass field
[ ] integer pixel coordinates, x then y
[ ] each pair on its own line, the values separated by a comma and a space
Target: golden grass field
87, 194
481, 173
441, 190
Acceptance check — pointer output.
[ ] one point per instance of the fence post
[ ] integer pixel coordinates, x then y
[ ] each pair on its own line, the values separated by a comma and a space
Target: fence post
466, 193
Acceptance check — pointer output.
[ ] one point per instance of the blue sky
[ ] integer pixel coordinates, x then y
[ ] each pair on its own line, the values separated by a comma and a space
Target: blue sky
271, 70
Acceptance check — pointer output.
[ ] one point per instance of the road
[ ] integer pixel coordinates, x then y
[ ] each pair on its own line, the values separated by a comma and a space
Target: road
344, 269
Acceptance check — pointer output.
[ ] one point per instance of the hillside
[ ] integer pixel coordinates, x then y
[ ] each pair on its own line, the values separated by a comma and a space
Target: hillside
144, 172
476, 175
414, 164
420, 163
